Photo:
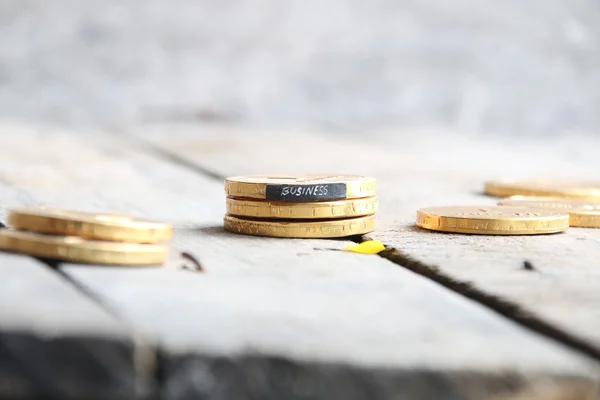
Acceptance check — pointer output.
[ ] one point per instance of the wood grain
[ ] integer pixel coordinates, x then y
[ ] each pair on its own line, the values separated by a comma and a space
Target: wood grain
435, 168
275, 318
57, 343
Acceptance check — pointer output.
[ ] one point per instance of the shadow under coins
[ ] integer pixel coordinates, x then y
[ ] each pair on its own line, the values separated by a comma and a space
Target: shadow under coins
213, 230
220, 232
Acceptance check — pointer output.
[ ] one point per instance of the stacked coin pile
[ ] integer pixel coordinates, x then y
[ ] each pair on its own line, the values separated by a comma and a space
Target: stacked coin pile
83, 237
301, 206
528, 208
580, 200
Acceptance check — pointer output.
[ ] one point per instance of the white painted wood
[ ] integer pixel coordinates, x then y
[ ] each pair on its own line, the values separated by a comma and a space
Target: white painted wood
422, 168
332, 315
56, 342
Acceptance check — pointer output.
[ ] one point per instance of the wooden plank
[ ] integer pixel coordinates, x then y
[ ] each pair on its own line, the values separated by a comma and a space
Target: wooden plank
57, 343
420, 168
274, 318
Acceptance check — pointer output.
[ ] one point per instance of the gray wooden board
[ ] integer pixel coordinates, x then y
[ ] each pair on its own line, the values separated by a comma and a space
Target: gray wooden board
56, 343
273, 318
429, 168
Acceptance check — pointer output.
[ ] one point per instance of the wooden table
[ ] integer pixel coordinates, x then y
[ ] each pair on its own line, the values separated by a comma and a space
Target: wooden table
435, 316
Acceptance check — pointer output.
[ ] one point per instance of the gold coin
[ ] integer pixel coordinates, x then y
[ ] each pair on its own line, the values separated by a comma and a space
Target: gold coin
301, 229
493, 220
314, 210
550, 188
582, 213
75, 249
89, 225
301, 188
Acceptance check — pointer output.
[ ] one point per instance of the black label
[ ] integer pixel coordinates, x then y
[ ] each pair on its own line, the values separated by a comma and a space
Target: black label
306, 193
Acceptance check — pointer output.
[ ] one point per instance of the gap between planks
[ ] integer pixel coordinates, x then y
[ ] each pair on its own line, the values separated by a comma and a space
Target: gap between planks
233, 150
502, 306
385, 288
56, 343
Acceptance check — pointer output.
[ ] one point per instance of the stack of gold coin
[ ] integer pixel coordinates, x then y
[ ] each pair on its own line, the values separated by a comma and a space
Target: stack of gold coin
301, 206
562, 189
531, 207
580, 199
582, 213
83, 237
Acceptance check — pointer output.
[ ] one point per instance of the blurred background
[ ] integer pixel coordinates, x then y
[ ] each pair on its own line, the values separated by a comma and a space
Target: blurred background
492, 66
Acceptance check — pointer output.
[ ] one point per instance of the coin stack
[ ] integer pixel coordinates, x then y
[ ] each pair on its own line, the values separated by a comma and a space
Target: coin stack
301, 206
580, 200
528, 208
83, 237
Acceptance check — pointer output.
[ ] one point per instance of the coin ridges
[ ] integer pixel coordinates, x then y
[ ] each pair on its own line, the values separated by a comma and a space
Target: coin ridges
552, 188
75, 249
89, 225
301, 188
493, 220
313, 210
300, 229
582, 213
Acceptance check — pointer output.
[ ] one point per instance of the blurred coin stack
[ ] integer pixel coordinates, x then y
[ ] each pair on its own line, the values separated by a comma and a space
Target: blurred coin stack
301, 206
580, 200
83, 237
529, 207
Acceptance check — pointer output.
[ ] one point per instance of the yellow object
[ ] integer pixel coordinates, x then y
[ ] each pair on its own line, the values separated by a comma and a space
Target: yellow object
552, 188
312, 210
301, 188
75, 249
582, 213
299, 228
368, 247
88, 225
493, 220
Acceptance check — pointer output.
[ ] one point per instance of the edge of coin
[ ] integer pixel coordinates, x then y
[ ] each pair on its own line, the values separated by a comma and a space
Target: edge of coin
314, 210
450, 224
578, 216
134, 231
366, 187
299, 229
510, 188
584, 218
80, 250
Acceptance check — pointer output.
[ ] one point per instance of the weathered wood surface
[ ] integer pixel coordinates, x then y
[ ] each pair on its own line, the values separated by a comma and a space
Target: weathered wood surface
430, 168
476, 66
274, 318
57, 343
